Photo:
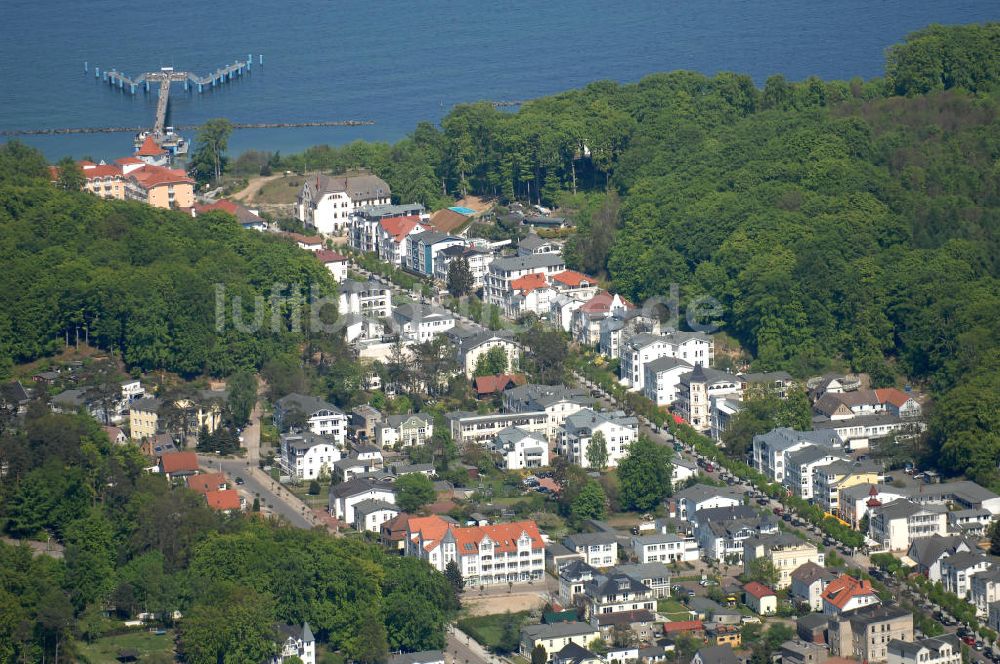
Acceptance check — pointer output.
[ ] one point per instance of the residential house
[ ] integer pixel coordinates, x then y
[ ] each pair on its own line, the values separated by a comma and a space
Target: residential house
556, 636
760, 599
785, 551
808, 583
317, 416
530, 294
346, 495
572, 578
682, 470
640, 625
519, 449
662, 376
585, 324
962, 494
929, 552
811, 627
477, 258
577, 433
205, 482
865, 633
722, 531
574, 654
692, 348
561, 310
623, 324
715, 655
944, 649
472, 344
957, 571
856, 502
984, 590
327, 202
115, 435
178, 464
224, 500
486, 555
247, 218
473, 428
801, 465
771, 450
404, 430
334, 262
857, 432
313, 243
664, 547
306, 455
616, 592
370, 515
364, 421
972, 522
487, 386
829, 480
422, 323
655, 576
557, 401
599, 550
895, 526
423, 250
504, 271
899, 403
297, 643
689, 501
144, 418
801, 652
532, 245
695, 391
846, 593
371, 299
391, 238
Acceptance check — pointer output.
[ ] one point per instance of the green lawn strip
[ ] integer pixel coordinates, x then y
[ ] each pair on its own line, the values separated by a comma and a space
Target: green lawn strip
488, 629
106, 650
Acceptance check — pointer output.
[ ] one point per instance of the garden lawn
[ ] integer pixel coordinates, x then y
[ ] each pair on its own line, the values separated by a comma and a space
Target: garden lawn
105, 650
487, 630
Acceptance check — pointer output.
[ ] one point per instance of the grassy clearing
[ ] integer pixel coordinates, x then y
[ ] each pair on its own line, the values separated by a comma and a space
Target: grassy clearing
487, 630
105, 650
283, 190
672, 609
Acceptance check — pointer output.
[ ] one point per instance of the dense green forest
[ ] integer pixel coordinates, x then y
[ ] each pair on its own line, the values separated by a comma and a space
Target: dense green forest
135, 544
842, 224
136, 280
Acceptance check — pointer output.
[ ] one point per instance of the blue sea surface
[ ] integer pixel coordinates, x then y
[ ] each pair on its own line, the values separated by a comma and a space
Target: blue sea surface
397, 63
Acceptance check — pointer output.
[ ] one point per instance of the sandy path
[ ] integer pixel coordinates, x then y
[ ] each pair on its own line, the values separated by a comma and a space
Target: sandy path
253, 186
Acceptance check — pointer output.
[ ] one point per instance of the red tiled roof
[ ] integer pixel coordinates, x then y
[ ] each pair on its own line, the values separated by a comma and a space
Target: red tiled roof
504, 536
173, 462
498, 383
227, 499
149, 148
529, 282
155, 176
758, 590
206, 482
447, 221
676, 626
101, 171
129, 160
304, 239
845, 587
573, 278
601, 303
892, 395
112, 432
399, 227
431, 528
327, 256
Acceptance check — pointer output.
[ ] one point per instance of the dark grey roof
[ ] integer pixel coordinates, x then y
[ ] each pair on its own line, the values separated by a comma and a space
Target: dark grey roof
356, 486
538, 397
901, 509
532, 241
717, 655
148, 404
966, 559
702, 374
614, 583
306, 404
574, 653
395, 421
358, 187
420, 313
928, 550
432, 237
874, 613
808, 454
556, 630
352, 286
577, 569
371, 506
665, 364
518, 263
811, 621
935, 644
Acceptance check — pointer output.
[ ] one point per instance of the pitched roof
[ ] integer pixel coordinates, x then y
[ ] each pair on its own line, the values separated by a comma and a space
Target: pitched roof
326, 256
227, 499
175, 462
503, 535
896, 397
156, 176
758, 590
242, 213
498, 383
99, 170
844, 588
447, 220
306, 404
810, 572
625, 617
529, 282
717, 655
601, 303
358, 186
399, 227
521, 263
206, 482
665, 364
150, 148
573, 279
676, 626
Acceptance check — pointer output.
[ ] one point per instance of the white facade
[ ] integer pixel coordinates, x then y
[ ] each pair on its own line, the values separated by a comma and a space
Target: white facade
661, 378
343, 497
895, 526
327, 203
304, 455
365, 298
422, 323
321, 418
664, 548
599, 550
578, 430
519, 449
801, 465
502, 271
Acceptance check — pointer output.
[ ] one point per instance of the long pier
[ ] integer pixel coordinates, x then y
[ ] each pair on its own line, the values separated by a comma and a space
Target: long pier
236, 125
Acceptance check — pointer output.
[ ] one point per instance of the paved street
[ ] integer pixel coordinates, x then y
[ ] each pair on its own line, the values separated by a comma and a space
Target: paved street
460, 648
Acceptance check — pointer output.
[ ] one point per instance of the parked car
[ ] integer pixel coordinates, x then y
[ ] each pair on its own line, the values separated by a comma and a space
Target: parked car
239, 481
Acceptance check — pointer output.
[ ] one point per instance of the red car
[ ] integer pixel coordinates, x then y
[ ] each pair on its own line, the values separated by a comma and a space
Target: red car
969, 640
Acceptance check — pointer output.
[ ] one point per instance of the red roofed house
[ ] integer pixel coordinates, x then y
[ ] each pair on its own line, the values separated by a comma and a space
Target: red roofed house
760, 598
528, 294
248, 218
845, 593
898, 403
486, 555
179, 464
489, 385
335, 263
675, 627
162, 187
207, 482
115, 435
307, 242
575, 284
104, 180
151, 153
227, 500
391, 237
586, 322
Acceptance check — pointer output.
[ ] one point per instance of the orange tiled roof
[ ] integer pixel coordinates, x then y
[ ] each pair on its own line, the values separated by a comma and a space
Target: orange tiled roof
327, 256
573, 278
129, 160
529, 282
430, 528
497, 383
844, 588
304, 239
892, 395
174, 462
101, 171
227, 499
602, 303
206, 482
504, 536
149, 148
675, 626
758, 590
155, 176
399, 227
